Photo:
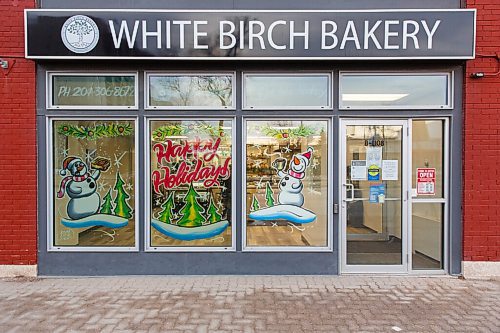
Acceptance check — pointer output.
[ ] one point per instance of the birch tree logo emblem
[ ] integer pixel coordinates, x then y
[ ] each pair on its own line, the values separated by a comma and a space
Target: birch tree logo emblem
80, 34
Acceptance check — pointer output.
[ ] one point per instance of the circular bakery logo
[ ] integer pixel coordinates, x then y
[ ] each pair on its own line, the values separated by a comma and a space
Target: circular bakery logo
80, 34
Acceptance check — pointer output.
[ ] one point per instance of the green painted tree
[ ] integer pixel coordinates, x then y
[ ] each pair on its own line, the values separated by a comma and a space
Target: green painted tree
213, 214
122, 208
269, 195
107, 206
255, 204
192, 210
168, 207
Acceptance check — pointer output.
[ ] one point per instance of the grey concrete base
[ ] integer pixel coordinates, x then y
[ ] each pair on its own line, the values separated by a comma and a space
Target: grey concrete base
18, 270
481, 269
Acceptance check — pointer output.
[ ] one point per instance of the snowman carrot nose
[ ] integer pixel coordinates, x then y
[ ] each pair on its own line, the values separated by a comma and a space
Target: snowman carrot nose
296, 160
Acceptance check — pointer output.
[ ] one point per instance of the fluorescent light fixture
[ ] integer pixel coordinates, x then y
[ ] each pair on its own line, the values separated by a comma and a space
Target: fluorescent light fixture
372, 97
176, 137
284, 127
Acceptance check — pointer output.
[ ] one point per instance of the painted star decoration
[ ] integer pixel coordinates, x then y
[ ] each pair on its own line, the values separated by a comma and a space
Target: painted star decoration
101, 186
257, 163
259, 184
65, 152
286, 149
220, 204
117, 162
90, 155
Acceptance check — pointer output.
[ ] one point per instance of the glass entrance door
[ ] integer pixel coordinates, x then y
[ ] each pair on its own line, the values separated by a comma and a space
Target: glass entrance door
374, 196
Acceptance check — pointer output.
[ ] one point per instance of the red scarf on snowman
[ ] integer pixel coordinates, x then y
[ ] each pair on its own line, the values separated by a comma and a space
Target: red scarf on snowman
62, 187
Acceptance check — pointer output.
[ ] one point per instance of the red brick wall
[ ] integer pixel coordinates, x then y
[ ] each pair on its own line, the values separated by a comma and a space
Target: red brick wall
482, 139
18, 214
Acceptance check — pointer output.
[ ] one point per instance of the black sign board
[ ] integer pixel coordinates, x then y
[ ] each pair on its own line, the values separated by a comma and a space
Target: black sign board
135, 34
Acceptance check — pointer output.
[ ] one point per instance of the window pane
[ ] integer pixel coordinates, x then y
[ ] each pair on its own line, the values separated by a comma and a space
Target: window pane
93, 90
427, 234
191, 183
300, 91
215, 91
287, 183
359, 91
94, 183
427, 158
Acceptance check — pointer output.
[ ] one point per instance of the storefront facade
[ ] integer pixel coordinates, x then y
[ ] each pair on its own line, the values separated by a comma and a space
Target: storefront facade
249, 141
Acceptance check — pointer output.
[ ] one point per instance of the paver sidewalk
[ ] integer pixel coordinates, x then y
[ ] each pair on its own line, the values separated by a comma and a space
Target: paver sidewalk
249, 304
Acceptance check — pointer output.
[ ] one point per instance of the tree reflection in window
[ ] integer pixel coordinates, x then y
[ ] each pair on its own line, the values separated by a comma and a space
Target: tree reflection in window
191, 91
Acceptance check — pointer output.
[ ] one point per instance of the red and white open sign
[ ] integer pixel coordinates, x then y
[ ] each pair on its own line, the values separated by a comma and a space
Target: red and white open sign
426, 181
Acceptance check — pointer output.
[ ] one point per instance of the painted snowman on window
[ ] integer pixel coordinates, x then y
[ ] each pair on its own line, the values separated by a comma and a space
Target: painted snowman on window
290, 184
81, 186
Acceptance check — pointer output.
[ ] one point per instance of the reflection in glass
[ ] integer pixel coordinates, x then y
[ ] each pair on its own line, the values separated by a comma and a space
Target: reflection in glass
93, 90
358, 90
287, 183
427, 235
287, 91
427, 153
374, 212
190, 90
94, 183
191, 193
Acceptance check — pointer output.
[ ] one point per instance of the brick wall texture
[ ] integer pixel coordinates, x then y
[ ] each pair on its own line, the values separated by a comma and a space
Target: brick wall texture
18, 171
482, 139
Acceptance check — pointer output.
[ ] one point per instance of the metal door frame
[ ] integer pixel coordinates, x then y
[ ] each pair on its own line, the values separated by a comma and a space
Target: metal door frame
404, 268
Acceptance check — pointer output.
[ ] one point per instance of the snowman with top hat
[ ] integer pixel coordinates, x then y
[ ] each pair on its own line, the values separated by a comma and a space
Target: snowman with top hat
290, 184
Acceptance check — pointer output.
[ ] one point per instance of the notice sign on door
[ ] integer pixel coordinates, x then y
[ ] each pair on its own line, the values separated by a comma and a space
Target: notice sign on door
426, 181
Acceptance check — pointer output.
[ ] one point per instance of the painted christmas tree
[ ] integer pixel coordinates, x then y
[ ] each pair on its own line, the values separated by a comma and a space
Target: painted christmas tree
192, 210
122, 208
168, 207
213, 214
107, 206
269, 196
255, 204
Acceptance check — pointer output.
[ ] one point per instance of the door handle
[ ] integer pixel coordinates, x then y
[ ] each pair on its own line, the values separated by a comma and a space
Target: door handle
352, 192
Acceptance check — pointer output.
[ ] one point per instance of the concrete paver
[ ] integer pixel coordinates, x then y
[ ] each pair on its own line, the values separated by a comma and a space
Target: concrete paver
250, 304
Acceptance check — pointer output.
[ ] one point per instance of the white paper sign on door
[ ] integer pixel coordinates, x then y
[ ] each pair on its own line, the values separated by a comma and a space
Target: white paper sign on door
390, 170
374, 156
358, 170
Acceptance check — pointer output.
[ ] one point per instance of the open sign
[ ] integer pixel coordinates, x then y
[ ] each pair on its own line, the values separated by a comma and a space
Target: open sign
426, 181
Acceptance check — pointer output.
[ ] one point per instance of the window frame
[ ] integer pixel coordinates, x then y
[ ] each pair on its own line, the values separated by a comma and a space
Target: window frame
245, 74
147, 186
449, 90
148, 74
49, 123
444, 200
329, 211
49, 91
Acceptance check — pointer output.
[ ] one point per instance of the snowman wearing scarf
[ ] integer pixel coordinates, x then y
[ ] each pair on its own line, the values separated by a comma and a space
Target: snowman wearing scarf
80, 186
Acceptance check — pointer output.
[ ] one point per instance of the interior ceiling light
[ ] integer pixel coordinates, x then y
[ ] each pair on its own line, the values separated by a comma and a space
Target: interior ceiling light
372, 97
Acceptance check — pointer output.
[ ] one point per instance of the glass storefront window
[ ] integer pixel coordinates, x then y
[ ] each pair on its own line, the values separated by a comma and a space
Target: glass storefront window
286, 183
427, 235
93, 170
93, 91
191, 183
396, 91
190, 91
296, 91
427, 158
